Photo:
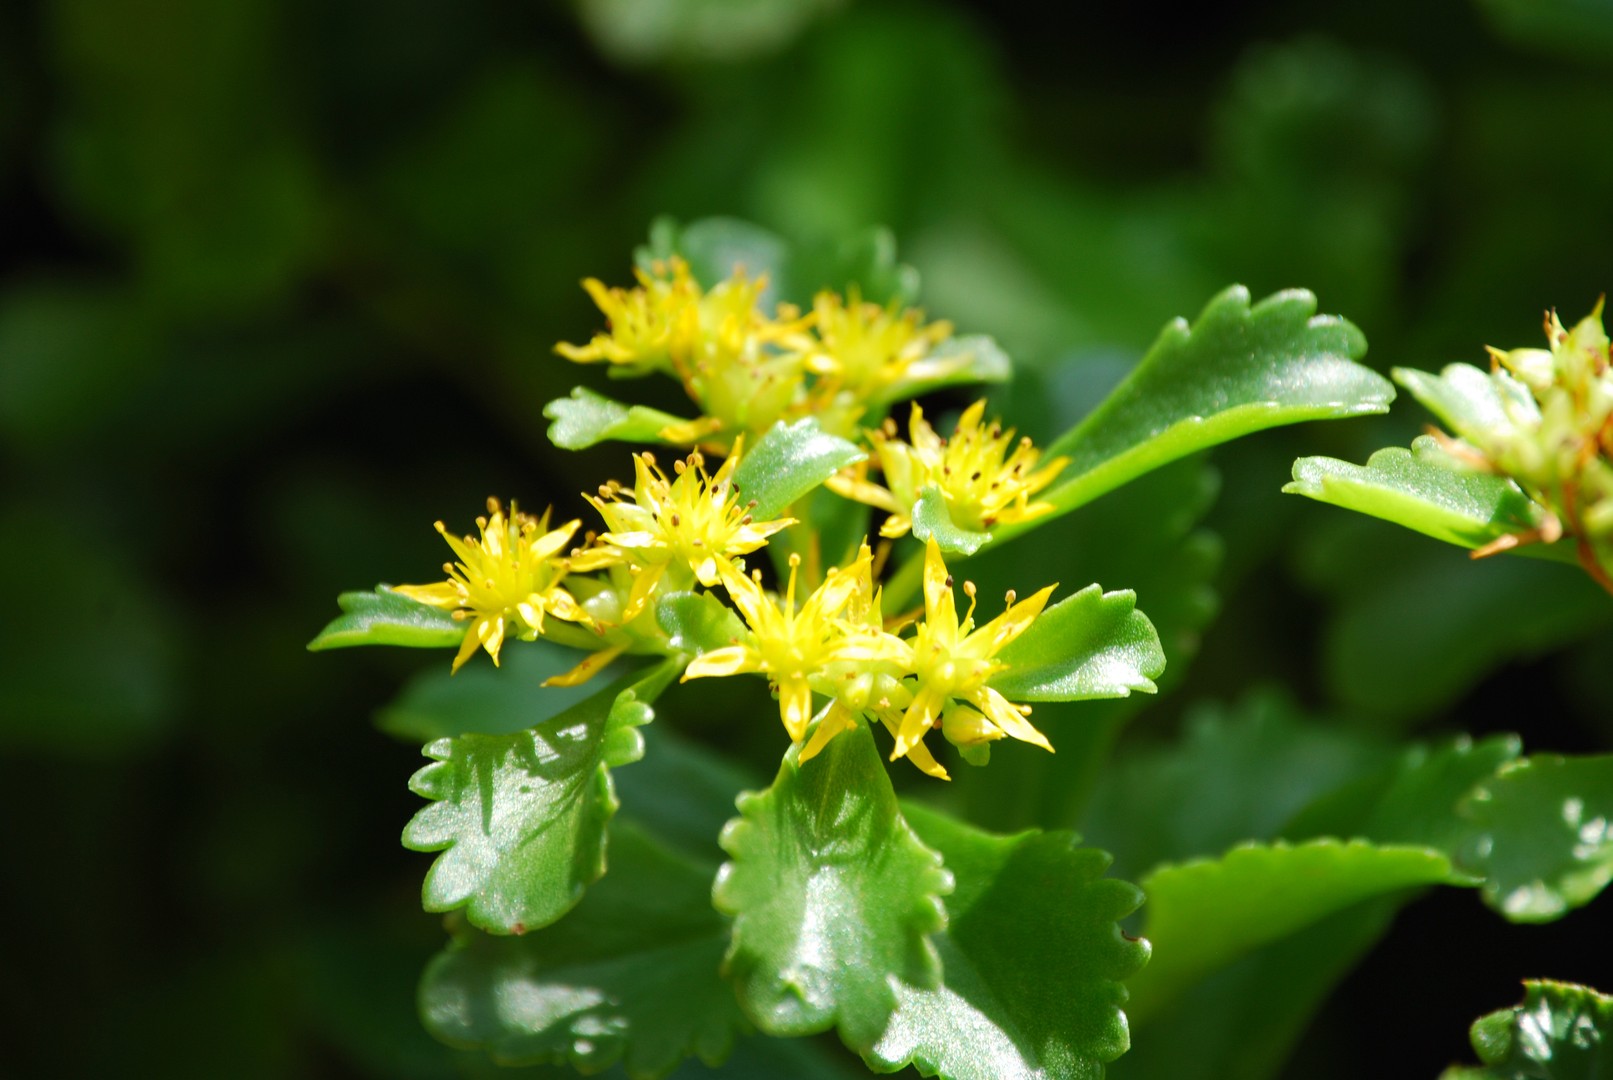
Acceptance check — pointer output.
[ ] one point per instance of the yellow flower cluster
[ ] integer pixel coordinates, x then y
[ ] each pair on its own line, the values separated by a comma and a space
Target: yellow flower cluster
747, 370
692, 529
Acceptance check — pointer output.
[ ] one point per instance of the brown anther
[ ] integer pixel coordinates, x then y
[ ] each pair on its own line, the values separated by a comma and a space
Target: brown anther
949, 581
677, 520
975, 475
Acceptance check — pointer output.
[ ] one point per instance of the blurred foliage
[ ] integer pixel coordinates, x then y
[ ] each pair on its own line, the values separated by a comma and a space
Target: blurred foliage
279, 287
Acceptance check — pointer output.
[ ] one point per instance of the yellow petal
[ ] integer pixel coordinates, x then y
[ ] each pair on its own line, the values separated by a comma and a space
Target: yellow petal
467, 649
442, 594
989, 639
549, 543
730, 660
1010, 719
920, 755
916, 721
795, 706
592, 665
643, 587
836, 720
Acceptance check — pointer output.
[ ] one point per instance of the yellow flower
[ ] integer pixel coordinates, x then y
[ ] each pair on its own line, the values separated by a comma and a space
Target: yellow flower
505, 583
875, 352
647, 326
694, 520
953, 662
986, 478
789, 644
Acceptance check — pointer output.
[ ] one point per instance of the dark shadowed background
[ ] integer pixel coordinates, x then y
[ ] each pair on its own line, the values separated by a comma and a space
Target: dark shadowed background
279, 282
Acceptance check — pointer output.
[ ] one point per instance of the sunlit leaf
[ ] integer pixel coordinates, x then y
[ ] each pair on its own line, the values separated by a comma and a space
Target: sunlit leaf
1032, 962
586, 418
787, 463
697, 622
933, 521
1091, 644
631, 975
834, 898
520, 819
384, 617
1560, 1032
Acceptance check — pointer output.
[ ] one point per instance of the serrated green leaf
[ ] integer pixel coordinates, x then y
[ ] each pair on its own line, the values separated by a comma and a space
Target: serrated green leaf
586, 418
1422, 489
384, 617
1465, 398
1236, 370
520, 819
1203, 914
1543, 835
833, 896
631, 975
788, 462
697, 622
933, 521
1091, 644
1560, 1032
1032, 962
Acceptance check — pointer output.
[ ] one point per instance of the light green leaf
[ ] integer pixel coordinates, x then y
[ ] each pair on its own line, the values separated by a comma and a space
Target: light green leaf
1560, 1032
631, 975
384, 617
1543, 839
586, 418
1238, 369
933, 521
1091, 644
520, 819
788, 462
481, 699
1032, 962
987, 363
1423, 489
833, 896
697, 622
1204, 914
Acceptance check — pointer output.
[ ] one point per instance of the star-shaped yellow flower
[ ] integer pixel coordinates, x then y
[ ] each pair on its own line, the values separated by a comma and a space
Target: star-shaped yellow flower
505, 583
953, 661
874, 351
986, 478
694, 521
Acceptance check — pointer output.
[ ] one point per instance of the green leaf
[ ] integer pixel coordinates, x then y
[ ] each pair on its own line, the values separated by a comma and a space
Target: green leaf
1238, 369
933, 521
697, 622
789, 461
1091, 644
833, 896
987, 363
1204, 914
1560, 1032
481, 699
586, 418
1032, 962
520, 819
384, 617
631, 975
1543, 839
1423, 489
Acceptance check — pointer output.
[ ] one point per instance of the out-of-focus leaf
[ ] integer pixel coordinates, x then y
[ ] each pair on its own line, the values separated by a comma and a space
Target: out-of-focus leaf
1422, 489
1560, 1032
1582, 27
1237, 773
787, 463
644, 31
1237, 369
1204, 914
485, 700
1091, 644
1543, 835
633, 974
834, 898
520, 819
697, 622
385, 617
586, 418
682, 792
1032, 962
986, 363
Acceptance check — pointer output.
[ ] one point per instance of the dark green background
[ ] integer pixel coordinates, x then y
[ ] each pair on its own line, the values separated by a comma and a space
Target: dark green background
278, 285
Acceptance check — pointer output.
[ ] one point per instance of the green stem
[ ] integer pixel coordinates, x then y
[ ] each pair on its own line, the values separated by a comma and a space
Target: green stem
903, 587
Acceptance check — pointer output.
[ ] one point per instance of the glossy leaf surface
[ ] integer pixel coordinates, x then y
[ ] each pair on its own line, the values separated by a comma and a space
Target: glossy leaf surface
1032, 959
1091, 644
632, 975
1206, 913
1543, 835
787, 463
1559, 1032
586, 418
384, 617
1237, 369
520, 819
833, 896
933, 520
1423, 489
697, 622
